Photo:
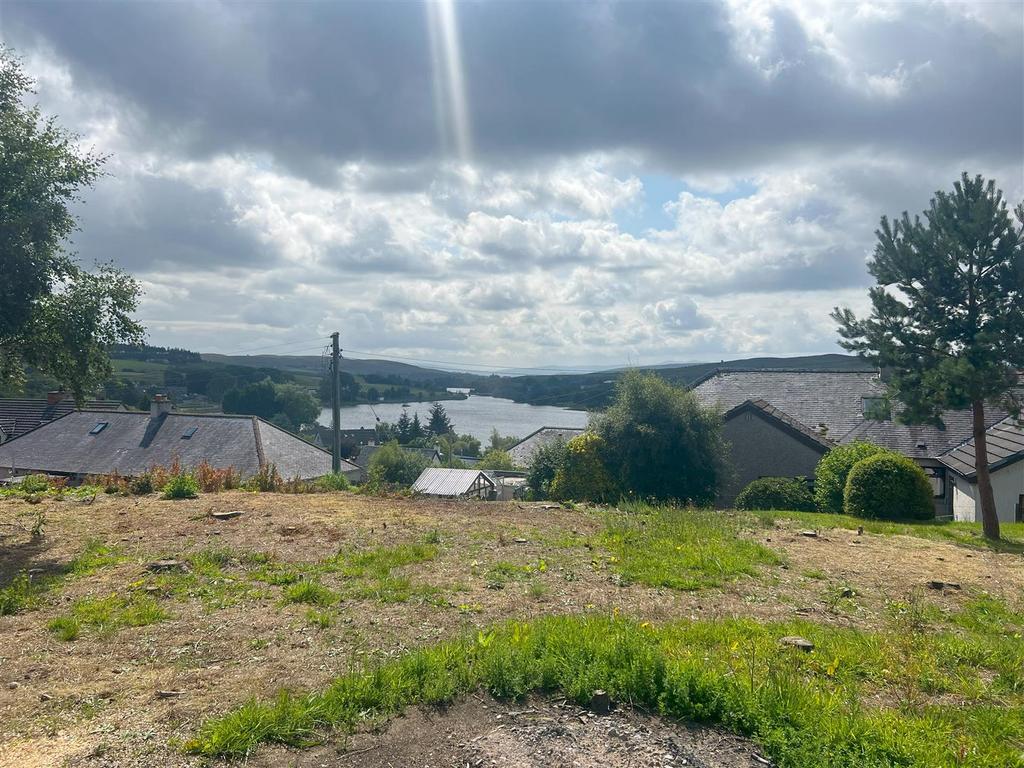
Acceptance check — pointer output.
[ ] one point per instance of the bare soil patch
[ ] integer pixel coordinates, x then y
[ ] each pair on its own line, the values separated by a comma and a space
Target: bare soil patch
481, 732
95, 701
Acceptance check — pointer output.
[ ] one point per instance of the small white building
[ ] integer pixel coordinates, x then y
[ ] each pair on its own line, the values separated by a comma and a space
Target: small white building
1005, 442
455, 484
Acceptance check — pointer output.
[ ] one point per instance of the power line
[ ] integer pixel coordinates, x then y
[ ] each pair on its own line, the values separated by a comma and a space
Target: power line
553, 370
318, 339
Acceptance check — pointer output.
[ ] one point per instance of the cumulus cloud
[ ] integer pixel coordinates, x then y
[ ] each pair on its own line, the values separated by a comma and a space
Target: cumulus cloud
649, 181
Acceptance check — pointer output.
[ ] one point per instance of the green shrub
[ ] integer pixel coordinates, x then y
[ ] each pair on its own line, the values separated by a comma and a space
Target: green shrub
35, 484
141, 485
495, 459
393, 465
183, 486
784, 493
888, 486
583, 475
544, 465
335, 481
833, 469
267, 480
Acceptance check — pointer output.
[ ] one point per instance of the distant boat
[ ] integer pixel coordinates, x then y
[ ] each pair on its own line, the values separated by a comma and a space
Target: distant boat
405, 405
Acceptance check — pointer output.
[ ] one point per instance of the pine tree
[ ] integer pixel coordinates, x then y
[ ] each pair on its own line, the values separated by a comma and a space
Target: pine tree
404, 427
439, 422
947, 317
416, 428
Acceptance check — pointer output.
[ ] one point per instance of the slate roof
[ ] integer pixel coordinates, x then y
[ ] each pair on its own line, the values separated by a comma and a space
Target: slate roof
134, 441
522, 452
922, 441
813, 398
18, 415
1005, 443
440, 481
788, 422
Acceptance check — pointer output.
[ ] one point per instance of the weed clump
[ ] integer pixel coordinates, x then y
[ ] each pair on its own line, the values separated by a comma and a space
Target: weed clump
181, 486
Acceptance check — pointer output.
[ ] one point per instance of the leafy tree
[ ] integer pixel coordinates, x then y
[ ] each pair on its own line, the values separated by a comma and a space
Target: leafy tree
393, 465
287, 405
297, 404
54, 316
660, 442
544, 465
457, 445
833, 469
947, 315
439, 423
499, 443
495, 459
257, 399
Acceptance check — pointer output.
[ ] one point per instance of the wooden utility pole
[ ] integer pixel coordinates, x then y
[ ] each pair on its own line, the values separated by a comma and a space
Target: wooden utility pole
335, 404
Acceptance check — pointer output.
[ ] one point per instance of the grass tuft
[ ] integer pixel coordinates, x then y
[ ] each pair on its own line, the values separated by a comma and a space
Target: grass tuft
803, 708
311, 593
685, 549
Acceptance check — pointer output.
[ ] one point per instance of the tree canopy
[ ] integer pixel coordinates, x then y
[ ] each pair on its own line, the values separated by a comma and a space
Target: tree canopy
660, 442
288, 405
54, 316
947, 317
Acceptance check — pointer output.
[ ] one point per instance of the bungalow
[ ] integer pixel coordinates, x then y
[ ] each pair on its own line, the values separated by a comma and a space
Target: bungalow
92, 442
1005, 443
455, 484
19, 415
780, 422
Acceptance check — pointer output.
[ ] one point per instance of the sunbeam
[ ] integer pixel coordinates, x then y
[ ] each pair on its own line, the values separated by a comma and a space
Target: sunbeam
450, 104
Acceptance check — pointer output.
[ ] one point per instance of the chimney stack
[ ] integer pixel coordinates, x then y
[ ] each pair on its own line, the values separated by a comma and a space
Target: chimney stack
160, 404
54, 397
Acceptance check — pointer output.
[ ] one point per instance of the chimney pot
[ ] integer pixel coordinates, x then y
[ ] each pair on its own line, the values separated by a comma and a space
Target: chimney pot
160, 404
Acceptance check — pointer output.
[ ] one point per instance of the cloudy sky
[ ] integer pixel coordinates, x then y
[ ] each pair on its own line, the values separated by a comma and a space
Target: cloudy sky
517, 183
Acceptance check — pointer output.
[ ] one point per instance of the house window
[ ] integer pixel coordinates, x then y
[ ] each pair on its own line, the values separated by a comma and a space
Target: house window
876, 408
100, 426
937, 477
189, 432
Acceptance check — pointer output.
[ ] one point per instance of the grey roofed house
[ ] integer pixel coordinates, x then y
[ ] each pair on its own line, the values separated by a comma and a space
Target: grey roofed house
455, 483
834, 405
767, 442
19, 415
84, 443
921, 441
1005, 443
829, 402
522, 452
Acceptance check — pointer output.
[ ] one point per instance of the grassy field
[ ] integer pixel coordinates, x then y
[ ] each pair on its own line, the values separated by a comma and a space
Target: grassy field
307, 617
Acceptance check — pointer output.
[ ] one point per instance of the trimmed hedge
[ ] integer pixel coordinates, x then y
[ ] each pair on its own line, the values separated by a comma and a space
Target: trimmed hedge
781, 493
832, 471
888, 486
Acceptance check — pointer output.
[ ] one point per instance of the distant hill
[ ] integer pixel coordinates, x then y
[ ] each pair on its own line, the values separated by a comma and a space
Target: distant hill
592, 390
354, 366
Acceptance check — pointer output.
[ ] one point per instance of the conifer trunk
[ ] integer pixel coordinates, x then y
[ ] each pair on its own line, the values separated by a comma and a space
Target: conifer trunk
989, 518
